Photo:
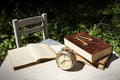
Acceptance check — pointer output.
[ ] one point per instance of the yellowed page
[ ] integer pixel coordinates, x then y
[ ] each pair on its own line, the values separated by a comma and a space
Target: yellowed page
20, 56
41, 51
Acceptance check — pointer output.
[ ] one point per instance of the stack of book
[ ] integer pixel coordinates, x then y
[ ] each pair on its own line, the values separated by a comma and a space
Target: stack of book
89, 49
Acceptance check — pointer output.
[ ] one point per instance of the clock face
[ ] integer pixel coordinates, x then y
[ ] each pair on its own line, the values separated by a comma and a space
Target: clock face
65, 62
65, 59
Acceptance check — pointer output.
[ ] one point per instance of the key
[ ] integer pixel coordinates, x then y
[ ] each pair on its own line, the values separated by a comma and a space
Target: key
84, 43
86, 38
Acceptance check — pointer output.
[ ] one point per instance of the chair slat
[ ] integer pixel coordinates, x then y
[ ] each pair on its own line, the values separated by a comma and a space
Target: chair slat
31, 30
27, 22
30, 21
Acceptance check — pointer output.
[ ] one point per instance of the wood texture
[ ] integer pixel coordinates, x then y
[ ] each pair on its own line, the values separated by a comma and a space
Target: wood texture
30, 21
27, 22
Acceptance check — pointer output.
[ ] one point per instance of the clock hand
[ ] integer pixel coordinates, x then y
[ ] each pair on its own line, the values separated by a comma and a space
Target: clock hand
62, 62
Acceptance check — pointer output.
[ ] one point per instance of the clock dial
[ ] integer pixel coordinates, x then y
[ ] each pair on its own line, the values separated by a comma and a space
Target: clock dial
65, 59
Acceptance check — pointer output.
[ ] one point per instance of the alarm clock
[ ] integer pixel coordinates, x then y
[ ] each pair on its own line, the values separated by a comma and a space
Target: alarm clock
65, 59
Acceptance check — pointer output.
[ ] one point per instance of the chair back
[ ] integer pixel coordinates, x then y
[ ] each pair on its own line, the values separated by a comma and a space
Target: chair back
27, 22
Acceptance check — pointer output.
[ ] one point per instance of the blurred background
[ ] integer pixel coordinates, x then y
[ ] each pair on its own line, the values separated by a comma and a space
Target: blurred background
100, 18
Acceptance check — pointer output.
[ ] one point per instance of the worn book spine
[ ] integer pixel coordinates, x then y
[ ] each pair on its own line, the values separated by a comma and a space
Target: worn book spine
25, 65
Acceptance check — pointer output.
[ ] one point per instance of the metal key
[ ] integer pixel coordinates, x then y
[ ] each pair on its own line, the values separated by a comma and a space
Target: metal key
86, 38
84, 43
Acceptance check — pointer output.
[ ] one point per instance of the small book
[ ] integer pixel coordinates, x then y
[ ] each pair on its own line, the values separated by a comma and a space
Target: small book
100, 64
103, 62
87, 46
30, 55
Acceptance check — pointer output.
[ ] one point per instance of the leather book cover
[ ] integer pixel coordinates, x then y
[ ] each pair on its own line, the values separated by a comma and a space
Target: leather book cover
88, 46
94, 46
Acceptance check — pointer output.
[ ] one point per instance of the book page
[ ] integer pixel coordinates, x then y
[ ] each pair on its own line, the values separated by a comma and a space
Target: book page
41, 51
20, 56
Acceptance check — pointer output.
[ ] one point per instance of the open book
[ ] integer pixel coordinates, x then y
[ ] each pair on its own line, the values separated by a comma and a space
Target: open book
30, 55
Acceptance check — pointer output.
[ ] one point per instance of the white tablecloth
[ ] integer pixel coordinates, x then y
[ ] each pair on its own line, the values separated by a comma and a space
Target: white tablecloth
50, 71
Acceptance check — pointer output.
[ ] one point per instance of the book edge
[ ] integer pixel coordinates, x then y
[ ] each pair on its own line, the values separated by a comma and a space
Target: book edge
77, 50
104, 53
102, 65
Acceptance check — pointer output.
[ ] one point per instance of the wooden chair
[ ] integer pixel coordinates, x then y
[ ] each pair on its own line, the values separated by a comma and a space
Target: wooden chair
27, 22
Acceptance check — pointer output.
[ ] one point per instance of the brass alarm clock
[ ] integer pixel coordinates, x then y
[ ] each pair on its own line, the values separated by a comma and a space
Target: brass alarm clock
65, 59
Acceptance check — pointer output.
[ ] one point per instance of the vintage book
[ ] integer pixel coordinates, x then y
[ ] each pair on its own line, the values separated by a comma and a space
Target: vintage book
30, 55
103, 62
100, 64
87, 46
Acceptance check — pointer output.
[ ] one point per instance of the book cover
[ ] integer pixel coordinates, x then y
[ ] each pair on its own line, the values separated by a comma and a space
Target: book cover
87, 46
30, 55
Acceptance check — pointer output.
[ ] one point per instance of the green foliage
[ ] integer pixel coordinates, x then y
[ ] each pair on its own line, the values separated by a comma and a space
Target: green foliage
107, 33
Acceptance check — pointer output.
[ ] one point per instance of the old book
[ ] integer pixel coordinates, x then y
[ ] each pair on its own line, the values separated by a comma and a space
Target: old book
103, 62
87, 46
30, 55
100, 64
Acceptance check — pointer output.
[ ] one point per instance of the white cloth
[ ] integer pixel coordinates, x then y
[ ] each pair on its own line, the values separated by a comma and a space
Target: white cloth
50, 71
